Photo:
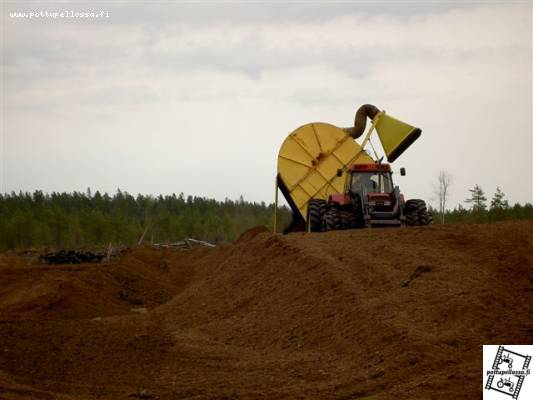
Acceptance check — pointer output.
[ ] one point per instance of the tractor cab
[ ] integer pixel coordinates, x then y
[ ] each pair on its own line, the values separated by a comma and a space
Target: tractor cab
372, 191
372, 178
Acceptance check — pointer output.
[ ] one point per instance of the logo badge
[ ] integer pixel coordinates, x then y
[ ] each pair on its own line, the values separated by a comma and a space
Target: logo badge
506, 372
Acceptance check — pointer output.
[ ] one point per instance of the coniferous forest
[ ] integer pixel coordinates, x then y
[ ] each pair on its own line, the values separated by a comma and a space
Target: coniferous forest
74, 220
77, 220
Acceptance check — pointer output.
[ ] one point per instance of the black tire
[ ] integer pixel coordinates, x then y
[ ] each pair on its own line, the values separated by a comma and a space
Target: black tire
315, 212
358, 212
416, 213
348, 220
331, 219
411, 218
423, 215
411, 213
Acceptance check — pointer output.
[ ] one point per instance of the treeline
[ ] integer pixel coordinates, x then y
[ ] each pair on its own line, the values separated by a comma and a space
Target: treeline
462, 215
77, 220
74, 220
480, 211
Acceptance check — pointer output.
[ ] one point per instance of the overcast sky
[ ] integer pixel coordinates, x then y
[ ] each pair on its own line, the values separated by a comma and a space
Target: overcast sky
197, 98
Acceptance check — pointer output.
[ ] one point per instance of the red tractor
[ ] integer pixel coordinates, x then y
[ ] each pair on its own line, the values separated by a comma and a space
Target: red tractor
370, 199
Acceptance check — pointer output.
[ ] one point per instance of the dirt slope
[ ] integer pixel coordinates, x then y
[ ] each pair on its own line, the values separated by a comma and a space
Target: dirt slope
373, 314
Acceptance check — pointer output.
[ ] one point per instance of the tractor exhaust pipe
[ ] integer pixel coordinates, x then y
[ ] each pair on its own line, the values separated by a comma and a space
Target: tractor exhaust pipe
359, 125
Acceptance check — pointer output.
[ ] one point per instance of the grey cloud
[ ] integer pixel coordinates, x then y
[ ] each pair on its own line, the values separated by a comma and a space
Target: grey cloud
130, 94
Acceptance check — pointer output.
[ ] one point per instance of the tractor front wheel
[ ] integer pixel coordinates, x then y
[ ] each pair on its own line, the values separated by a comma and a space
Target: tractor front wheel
331, 219
315, 212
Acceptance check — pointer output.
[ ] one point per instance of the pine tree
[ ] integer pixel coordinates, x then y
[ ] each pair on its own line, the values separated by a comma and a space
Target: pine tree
498, 201
477, 199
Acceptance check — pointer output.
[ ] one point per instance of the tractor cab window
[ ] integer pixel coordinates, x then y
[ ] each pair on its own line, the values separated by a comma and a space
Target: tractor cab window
372, 181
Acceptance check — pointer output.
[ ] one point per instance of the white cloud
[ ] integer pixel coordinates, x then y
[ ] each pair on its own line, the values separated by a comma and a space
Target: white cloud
203, 108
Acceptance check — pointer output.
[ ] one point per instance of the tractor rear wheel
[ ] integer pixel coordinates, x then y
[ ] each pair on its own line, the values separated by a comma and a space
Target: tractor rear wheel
411, 213
411, 218
331, 219
423, 214
315, 212
348, 220
416, 213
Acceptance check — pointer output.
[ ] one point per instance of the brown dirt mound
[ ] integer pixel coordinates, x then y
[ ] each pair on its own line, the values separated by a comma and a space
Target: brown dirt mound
141, 278
375, 314
251, 233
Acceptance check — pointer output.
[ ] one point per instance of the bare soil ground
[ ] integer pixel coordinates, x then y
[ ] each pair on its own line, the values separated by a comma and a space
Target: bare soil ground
368, 314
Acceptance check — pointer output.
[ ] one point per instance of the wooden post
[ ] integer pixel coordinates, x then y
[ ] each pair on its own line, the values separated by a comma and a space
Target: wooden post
275, 228
108, 253
144, 233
